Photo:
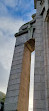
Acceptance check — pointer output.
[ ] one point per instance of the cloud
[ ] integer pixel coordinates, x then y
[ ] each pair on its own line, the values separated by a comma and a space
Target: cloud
8, 27
17, 8
13, 13
11, 3
19, 3
3, 78
3, 9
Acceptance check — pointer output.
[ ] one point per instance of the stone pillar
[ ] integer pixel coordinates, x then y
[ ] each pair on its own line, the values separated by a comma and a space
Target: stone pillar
39, 75
11, 100
17, 97
46, 60
23, 99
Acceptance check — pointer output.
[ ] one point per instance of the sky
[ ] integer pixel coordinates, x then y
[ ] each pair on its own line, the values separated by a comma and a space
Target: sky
31, 82
13, 14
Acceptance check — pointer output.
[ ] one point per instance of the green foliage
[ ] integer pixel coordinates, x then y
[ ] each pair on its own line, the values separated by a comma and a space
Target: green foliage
2, 97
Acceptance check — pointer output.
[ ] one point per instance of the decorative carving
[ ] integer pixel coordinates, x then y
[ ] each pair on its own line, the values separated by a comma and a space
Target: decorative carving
42, 1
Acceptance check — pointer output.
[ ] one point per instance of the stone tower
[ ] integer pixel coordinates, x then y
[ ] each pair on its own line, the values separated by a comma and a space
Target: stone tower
33, 35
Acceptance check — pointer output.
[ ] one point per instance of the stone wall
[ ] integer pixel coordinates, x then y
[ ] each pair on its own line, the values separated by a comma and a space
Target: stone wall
39, 75
32, 36
11, 100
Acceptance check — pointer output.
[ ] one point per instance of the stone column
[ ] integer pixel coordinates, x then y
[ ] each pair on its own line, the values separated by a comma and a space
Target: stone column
48, 63
39, 75
12, 95
23, 99
17, 96
46, 60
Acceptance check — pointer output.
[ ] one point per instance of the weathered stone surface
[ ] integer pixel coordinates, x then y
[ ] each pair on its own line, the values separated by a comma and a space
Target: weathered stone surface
31, 36
10, 107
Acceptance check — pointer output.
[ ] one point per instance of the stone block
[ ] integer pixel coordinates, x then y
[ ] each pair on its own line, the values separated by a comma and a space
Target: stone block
40, 104
11, 100
10, 107
14, 87
14, 81
12, 93
16, 67
39, 86
37, 78
15, 76
16, 71
17, 62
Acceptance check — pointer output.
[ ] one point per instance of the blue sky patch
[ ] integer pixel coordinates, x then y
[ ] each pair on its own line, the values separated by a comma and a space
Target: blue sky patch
17, 8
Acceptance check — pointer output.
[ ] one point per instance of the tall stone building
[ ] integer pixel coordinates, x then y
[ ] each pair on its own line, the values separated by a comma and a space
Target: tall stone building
31, 36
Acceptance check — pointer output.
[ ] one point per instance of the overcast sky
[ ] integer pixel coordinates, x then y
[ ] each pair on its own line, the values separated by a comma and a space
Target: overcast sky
13, 13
